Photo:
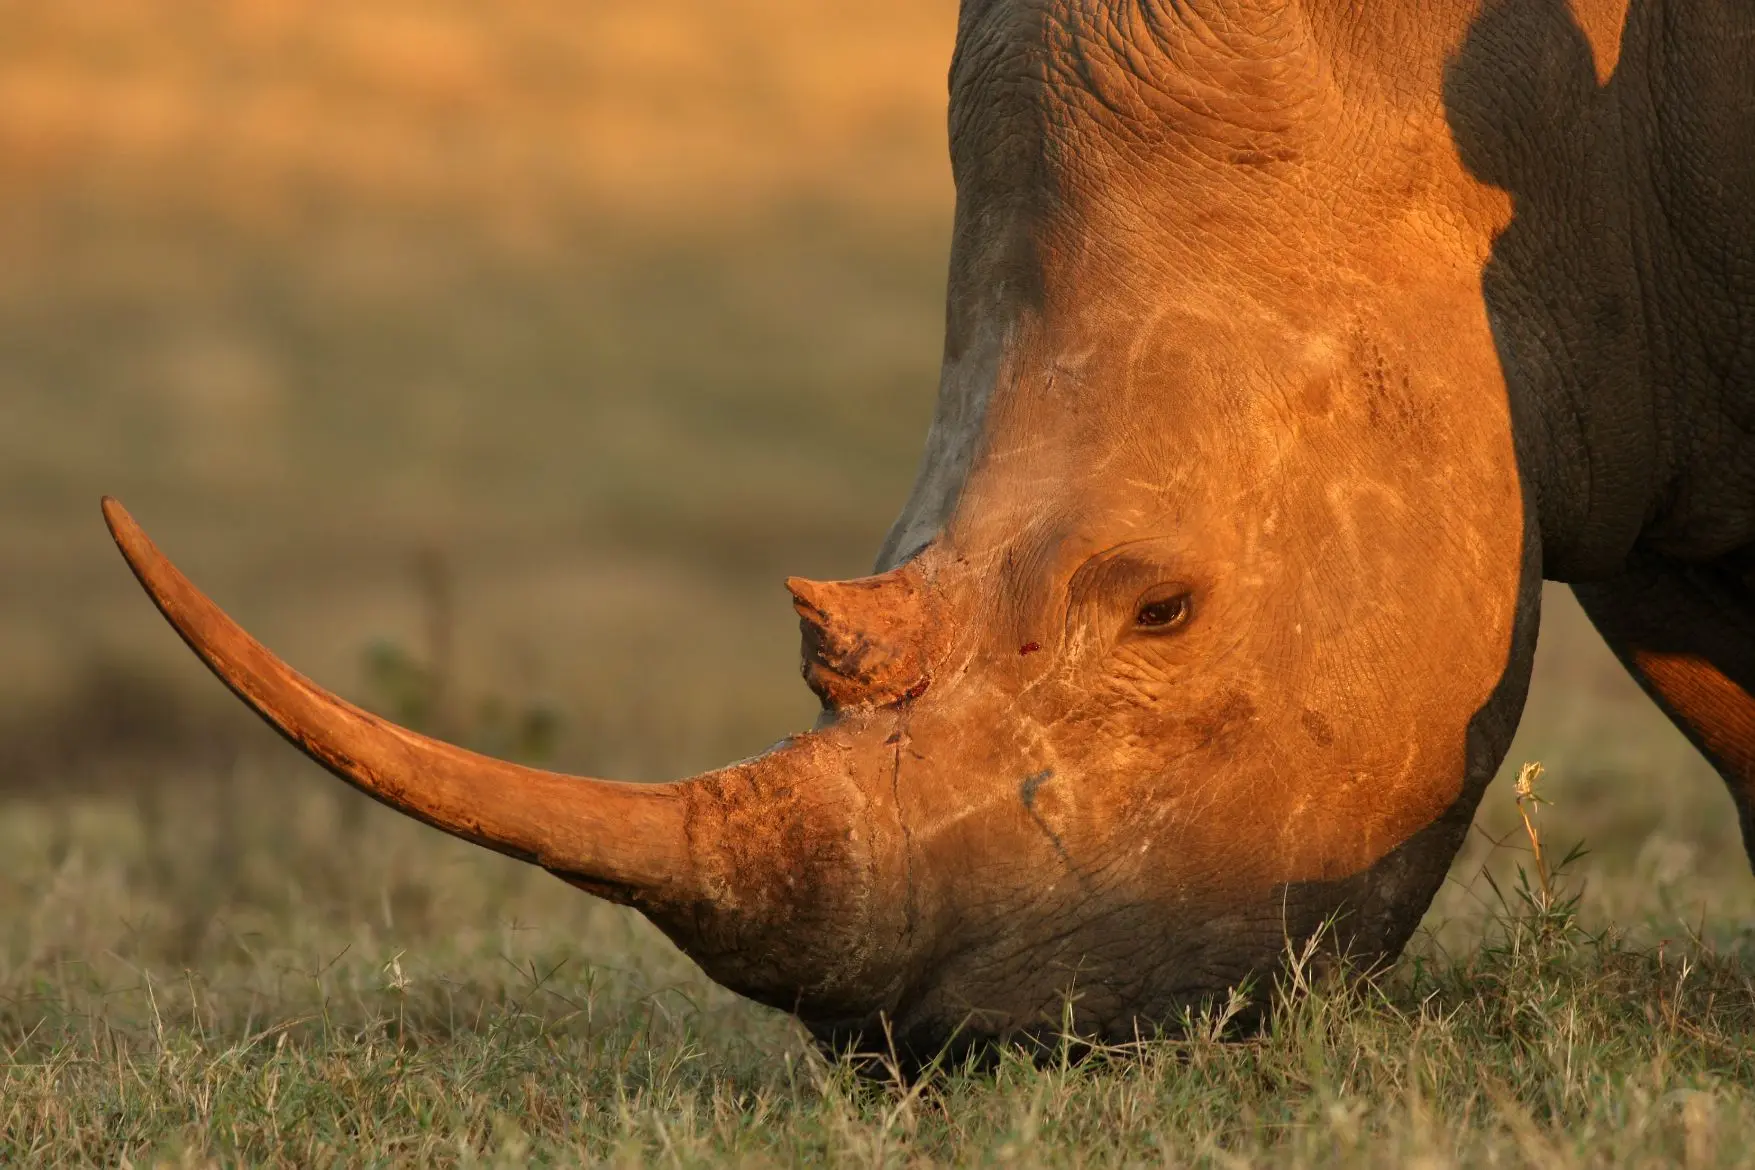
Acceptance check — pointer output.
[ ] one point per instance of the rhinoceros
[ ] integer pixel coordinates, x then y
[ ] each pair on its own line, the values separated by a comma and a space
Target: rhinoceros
1289, 346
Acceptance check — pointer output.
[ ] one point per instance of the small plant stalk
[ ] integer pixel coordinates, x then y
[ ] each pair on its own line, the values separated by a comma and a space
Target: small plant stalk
1528, 803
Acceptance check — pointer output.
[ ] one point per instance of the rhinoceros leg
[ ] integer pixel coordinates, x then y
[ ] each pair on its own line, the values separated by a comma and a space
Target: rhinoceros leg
1687, 634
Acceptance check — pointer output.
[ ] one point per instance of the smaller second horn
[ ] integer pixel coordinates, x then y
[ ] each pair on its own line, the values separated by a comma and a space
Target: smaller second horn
863, 639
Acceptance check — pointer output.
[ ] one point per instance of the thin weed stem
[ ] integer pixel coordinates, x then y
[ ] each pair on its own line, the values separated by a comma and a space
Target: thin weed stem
1529, 802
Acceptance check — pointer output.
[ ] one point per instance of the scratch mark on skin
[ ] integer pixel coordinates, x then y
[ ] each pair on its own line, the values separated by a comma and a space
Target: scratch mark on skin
1017, 451
1027, 794
900, 741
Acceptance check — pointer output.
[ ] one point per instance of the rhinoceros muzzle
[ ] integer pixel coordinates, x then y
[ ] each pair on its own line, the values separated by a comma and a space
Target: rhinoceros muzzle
771, 872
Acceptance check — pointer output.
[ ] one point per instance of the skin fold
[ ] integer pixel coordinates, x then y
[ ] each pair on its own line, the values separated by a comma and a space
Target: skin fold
1288, 347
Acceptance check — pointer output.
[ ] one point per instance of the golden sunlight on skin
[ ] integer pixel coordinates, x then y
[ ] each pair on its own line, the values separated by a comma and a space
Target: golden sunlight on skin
1702, 695
1270, 678
1601, 22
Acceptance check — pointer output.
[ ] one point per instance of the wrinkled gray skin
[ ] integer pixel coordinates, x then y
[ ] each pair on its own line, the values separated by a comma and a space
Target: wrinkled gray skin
1587, 171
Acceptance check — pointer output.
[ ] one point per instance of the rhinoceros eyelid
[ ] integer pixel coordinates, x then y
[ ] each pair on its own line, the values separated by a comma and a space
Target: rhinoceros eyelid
1163, 610
1103, 585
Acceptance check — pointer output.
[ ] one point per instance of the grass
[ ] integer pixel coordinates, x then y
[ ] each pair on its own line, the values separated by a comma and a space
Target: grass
617, 314
259, 971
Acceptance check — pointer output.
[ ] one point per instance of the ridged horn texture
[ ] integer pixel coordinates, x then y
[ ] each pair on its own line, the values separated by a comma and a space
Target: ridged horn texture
861, 638
625, 842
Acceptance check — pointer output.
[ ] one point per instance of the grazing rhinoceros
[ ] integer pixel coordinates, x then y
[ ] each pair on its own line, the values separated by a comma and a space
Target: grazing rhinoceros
1289, 346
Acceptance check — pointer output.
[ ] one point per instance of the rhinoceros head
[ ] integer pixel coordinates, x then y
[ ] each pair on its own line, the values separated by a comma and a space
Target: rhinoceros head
1212, 608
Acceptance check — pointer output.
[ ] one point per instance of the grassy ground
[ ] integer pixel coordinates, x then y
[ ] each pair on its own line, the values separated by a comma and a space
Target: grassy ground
565, 331
261, 968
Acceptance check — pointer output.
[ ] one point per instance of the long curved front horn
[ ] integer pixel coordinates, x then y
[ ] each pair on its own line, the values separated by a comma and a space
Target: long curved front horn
626, 842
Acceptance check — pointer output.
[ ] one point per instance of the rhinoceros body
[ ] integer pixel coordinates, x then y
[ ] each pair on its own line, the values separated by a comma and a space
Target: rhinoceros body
1288, 347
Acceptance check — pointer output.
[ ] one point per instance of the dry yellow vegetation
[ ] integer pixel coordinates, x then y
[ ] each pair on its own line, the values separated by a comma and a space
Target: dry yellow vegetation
528, 108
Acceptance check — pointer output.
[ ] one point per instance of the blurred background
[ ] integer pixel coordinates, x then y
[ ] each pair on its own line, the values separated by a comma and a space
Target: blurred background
494, 363
611, 314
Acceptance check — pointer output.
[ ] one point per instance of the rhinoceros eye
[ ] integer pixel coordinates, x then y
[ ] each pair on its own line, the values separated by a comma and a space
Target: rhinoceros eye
1162, 611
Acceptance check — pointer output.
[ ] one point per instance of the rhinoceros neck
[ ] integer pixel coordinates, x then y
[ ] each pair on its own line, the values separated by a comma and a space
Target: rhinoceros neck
1684, 84
1620, 293
1616, 289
